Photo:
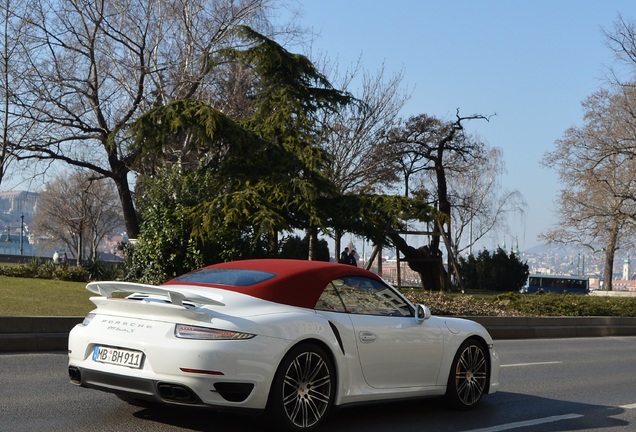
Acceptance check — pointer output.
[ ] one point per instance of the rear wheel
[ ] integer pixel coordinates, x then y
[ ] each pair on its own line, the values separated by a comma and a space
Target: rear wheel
469, 375
303, 389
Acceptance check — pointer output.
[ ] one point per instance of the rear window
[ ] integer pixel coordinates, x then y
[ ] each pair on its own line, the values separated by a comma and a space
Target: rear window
225, 276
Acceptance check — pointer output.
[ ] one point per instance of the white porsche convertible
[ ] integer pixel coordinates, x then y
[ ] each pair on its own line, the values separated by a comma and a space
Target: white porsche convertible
290, 338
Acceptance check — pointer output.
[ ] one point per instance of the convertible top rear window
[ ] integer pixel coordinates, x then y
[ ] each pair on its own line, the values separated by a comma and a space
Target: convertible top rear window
225, 276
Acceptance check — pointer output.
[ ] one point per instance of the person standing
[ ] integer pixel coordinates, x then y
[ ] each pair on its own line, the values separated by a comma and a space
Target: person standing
344, 256
56, 258
353, 259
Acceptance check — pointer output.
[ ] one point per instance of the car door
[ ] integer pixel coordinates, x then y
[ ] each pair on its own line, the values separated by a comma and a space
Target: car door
394, 349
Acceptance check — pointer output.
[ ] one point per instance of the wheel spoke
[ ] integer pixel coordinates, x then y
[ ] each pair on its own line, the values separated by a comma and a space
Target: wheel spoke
471, 375
307, 387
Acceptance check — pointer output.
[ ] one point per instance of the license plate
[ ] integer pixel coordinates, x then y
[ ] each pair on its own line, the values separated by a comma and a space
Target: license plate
118, 356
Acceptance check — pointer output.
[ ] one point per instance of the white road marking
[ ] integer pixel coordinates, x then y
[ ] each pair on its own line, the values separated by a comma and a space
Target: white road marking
531, 364
527, 423
630, 406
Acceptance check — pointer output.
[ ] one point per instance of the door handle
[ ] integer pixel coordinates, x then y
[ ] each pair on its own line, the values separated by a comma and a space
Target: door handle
366, 337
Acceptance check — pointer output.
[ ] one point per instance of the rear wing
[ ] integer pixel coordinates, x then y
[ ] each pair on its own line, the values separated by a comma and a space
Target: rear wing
176, 296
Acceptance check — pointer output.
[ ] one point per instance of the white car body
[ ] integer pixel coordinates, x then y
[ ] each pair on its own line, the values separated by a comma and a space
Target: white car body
374, 357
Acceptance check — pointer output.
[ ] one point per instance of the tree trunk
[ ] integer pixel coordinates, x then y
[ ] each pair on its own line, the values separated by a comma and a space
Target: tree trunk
131, 220
425, 261
610, 251
312, 236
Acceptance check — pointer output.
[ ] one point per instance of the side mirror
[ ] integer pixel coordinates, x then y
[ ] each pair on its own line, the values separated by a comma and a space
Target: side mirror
422, 313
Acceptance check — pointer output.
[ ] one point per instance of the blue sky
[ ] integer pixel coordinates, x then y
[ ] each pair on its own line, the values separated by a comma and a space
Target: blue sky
530, 62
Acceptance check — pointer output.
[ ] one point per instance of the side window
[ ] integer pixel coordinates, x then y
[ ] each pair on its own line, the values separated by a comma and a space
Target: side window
330, 300
366, 296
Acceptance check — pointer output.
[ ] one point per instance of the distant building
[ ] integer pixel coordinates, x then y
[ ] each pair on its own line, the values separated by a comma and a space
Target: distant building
626, 268
16, 203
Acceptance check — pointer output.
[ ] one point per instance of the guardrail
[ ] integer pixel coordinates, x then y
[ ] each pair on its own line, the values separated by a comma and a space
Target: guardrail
25, 334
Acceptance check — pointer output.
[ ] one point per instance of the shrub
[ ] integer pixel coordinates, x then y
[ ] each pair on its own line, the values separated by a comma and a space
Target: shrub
99, 270
515, 304
37, 268
71, 274
553, 304
459, 304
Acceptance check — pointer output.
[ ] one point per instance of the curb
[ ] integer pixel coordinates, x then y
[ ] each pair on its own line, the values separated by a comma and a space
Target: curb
20, 334
556, 327
28, 334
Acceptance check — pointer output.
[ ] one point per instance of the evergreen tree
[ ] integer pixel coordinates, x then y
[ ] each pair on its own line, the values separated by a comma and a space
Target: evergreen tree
493, 272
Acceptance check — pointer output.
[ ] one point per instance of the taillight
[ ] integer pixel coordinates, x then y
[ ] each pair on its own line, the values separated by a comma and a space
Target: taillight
88, 318
195, 332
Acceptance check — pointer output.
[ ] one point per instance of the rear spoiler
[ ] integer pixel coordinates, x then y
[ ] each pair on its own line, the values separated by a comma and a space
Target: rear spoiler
176, 296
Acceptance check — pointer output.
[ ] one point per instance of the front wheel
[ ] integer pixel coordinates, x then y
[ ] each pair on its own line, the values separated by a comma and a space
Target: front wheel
303, 389
469, 375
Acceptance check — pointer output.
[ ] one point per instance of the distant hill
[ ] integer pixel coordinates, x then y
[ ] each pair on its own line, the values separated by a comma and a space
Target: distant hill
542, 249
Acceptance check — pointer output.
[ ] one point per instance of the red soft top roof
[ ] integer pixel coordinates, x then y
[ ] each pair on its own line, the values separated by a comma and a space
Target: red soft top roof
296, 282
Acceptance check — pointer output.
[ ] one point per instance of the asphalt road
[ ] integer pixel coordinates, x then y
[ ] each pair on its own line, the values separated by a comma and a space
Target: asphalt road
547, 385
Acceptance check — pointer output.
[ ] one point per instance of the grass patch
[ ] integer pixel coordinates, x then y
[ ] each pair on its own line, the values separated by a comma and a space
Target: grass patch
43, 297
20, 296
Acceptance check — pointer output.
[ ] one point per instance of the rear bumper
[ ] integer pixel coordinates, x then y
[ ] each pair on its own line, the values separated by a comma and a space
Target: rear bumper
156, 391
227, 375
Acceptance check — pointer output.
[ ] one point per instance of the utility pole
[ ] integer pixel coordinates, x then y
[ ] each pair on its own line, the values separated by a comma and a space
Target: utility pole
22, 234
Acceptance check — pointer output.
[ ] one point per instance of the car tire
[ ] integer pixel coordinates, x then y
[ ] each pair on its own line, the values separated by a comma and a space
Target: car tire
303, 389
469, 375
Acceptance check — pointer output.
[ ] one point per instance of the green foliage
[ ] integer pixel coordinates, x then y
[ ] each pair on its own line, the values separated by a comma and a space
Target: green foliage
296, 248
553, 304
188, 220
372, 215
165, 247
96, 270
73, 274
493, 272
202, 131
22, 270
288, 95
44, 269
289, 92
258, 176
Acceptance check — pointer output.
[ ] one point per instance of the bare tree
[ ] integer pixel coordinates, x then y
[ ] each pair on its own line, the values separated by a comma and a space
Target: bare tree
91, 68
597, 166
352, 135
79, 212
10, 82
480, 205
621, 40
439, 145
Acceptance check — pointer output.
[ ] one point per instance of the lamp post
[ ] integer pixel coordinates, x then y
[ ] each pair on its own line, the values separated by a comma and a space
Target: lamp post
22, 234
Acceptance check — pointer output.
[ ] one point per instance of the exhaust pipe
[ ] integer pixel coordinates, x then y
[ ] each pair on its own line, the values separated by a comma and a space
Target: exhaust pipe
176, 392
75, 374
